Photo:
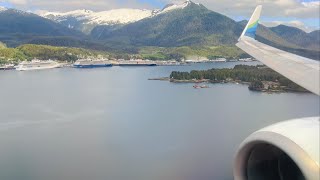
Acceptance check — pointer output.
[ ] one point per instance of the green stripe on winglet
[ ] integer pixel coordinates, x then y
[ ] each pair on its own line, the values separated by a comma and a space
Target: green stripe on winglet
253, 24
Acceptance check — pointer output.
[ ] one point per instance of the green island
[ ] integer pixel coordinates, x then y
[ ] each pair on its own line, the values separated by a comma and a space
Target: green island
259, 78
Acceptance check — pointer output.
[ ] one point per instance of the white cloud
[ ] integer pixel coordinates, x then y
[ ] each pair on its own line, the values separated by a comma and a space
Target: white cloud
284, 10
271, 8
18, 2
67, 5
306, 9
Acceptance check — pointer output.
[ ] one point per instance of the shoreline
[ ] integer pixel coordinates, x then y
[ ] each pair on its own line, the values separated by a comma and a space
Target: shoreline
283, 90
64, 64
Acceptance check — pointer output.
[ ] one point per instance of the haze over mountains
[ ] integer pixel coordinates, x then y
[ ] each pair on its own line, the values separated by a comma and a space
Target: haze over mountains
186, 24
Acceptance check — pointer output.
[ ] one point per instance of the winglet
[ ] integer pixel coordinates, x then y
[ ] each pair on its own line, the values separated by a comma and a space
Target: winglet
251, 28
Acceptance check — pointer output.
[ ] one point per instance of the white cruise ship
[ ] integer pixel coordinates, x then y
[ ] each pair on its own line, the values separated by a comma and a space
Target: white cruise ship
219, 60
37, 65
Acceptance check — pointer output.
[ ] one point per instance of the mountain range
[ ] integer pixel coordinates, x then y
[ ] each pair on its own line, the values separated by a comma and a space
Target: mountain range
85, 20
298, 36
192, 25
176, 25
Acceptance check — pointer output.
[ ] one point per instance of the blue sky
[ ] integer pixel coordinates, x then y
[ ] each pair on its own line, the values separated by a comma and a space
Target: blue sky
154, 3
6, 4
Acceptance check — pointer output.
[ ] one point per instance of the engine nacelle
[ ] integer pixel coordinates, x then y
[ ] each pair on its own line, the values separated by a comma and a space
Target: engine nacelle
284, 151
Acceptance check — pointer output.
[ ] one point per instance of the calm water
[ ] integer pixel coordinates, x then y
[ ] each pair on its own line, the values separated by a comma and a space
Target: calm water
114, 124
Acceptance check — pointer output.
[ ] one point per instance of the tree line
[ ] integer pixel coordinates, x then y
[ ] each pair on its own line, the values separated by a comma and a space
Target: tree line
255, 75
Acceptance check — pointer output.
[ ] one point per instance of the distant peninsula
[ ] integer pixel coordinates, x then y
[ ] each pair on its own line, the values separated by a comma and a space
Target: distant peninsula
259, 78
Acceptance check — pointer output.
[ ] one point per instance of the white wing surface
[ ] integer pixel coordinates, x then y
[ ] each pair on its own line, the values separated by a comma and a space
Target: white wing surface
301, 70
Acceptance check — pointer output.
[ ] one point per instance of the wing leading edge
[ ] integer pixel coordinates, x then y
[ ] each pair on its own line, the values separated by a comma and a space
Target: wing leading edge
303, 71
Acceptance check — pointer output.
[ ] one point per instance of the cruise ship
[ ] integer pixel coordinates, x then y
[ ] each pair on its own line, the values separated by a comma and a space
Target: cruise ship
137, 63
37, 65
87, 63
219, 60
246, 59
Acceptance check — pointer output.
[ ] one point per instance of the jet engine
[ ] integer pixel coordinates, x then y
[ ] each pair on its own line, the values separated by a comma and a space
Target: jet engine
283, 151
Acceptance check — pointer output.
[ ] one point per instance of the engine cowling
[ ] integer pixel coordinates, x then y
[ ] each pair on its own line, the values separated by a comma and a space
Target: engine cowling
285, 151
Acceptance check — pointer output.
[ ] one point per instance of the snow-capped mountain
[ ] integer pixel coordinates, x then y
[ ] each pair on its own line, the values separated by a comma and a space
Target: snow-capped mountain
86, 20
116, 16
171, 7
2, 8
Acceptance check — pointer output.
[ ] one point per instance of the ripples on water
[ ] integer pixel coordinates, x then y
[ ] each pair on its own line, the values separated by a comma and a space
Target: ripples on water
114, 124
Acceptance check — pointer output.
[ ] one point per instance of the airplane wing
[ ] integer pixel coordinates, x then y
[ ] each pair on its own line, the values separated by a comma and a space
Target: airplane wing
301, 70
